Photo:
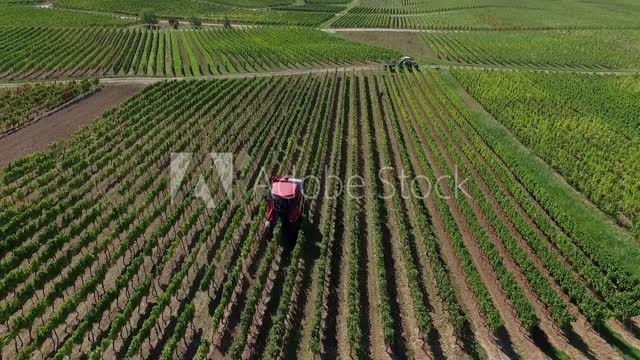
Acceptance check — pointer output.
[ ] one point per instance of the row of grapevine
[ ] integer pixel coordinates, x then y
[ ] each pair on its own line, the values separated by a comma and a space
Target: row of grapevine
549, 297
538, 239
27, 102
328, 228
548, 49
490, 313
397, 212
237, 12
419, 8
474, 16
374, 220
156, 214
523, 308
353, 238
596, 151
63, 53
105, 258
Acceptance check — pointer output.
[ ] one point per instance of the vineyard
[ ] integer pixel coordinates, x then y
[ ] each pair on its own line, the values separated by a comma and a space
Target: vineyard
14, 15
597, 117
503, 15
556, 49
26, 103
244, 12
461, 179
395, 14
39, 53
101, 261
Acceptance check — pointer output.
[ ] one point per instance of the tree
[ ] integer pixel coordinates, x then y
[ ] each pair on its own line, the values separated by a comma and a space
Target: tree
149, 17
174, 22
226, 23
196, 22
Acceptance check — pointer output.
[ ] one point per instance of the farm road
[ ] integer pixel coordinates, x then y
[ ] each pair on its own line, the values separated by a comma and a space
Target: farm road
289, 72
153, 80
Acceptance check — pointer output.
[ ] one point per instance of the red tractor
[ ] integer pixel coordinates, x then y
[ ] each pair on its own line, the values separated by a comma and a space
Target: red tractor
285, 203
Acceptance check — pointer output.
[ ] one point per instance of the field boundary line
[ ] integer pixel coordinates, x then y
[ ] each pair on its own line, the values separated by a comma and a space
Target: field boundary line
293, 72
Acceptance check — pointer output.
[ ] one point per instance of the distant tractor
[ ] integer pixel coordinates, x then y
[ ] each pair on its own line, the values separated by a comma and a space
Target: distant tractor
406, 62
285, 203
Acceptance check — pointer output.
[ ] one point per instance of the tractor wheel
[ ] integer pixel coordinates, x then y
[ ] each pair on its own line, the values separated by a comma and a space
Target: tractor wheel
267, 231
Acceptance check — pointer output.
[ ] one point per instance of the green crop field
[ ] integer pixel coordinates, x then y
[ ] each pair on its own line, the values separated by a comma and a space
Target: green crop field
37, 53
26, 16
556, 49
585, 126
503, 15
319, 179
245, 12
26, 103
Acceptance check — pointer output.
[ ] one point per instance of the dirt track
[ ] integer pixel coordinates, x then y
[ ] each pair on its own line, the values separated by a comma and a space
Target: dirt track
61, 125
142, 81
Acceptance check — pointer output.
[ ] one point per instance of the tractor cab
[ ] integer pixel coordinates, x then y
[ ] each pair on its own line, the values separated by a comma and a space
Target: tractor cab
405, 62
285, 203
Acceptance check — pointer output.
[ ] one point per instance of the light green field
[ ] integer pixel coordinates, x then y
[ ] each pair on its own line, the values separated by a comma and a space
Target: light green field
502, 15
244, 12
75, 52
554, 48
585, 126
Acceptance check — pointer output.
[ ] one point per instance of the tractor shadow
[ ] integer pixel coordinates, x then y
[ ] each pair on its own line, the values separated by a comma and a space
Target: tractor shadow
310, 253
